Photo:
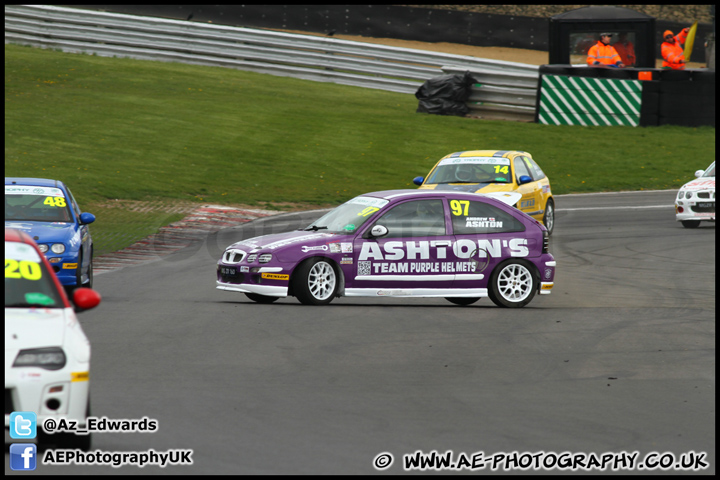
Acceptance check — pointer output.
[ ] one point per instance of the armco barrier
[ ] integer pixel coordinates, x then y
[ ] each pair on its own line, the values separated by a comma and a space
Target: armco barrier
570, 95
307, 57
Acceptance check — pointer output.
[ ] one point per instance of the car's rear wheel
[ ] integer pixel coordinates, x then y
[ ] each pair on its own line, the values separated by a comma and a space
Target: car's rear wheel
260, 298
462, 300
549, 216
690, 223
315, 282
512, 284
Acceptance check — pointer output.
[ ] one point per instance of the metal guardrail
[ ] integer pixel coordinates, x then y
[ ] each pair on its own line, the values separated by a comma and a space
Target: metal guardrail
505, 88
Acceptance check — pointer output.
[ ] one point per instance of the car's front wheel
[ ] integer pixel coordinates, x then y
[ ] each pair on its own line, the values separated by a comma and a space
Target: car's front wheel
315, 282
690, 223
512, 284
549, 216
78, 272
89, 283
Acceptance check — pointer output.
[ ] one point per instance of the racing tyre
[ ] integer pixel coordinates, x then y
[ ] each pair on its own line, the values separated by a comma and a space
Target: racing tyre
690, 223
462, 300
260, 298
549, 217
78, 273
513, 284
315, 282
89, 283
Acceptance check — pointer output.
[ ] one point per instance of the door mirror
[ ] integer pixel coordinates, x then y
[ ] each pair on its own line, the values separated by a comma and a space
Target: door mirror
699, 173
378, 231
524, 179
418, 180
86, 218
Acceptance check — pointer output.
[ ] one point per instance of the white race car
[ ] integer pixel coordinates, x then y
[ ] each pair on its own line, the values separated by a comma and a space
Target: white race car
695, 201
47, 355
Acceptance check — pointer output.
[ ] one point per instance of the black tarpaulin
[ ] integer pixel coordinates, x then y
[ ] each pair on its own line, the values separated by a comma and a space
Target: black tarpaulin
445, 95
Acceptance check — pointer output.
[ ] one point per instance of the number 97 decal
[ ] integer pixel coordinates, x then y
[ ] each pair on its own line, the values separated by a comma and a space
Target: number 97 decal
22, 269
460, 207
368, 211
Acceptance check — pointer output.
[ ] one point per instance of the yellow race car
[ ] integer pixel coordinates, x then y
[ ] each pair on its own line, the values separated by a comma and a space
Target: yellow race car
490, 171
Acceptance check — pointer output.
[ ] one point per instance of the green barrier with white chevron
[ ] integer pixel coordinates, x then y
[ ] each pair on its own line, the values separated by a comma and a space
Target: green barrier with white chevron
589, 101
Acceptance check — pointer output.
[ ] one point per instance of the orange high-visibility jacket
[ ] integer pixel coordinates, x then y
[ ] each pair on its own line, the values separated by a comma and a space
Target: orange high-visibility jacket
672, 53
626, 52
604, 54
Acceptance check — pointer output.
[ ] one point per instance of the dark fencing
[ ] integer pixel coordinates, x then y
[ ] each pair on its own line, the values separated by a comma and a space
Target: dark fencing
381, 21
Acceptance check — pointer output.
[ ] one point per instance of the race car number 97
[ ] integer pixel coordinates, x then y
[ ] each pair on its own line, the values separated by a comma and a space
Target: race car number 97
22, 269
457, 207
368, 211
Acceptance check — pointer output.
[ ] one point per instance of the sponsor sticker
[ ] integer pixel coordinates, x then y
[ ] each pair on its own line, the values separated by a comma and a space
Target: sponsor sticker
275, 276
70, 266
80, 376
476, 161
311, 249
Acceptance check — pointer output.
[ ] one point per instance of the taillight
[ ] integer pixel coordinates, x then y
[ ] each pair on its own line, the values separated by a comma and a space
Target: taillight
546, 242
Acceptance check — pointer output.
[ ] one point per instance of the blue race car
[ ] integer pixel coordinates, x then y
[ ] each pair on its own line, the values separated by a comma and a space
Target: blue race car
47, 211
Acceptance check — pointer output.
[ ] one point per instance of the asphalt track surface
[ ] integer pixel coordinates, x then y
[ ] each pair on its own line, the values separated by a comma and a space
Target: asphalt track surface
619, 358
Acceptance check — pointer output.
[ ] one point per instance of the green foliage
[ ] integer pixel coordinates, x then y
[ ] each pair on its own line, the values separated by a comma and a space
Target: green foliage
126, 129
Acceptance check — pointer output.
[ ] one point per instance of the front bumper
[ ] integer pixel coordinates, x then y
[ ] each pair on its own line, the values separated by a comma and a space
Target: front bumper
49, 394
65, 267
267, 290
271, 281
695, 210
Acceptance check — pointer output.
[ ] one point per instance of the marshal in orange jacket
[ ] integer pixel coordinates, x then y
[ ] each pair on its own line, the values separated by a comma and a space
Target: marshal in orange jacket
672, 53
601, 54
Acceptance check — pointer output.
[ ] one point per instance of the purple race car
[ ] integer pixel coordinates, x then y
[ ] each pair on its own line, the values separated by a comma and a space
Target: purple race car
400, 243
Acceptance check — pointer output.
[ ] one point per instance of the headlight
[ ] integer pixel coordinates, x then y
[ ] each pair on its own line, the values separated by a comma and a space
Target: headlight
681, 194
42, 248
265, 258
688, 195
58, 248
52, 358
251, 258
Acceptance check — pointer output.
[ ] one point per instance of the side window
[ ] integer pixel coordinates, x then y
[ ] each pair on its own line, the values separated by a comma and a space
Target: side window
471, 217
537, 173
417, 218
74, 203
520, 168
